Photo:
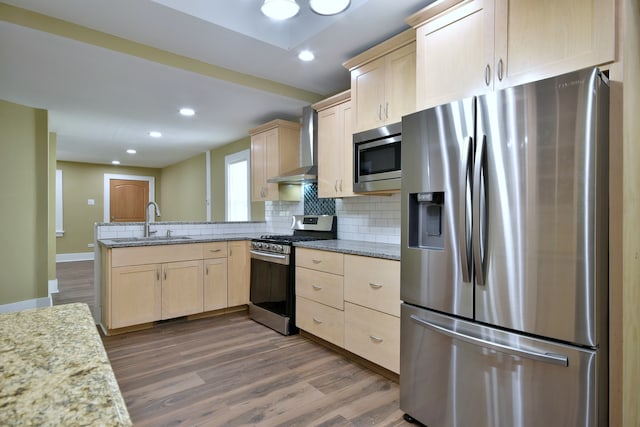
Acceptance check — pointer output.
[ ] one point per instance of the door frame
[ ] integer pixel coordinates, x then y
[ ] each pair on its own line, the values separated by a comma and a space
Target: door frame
107, 189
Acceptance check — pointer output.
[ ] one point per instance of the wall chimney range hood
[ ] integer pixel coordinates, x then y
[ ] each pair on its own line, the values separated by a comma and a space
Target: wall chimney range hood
308, 171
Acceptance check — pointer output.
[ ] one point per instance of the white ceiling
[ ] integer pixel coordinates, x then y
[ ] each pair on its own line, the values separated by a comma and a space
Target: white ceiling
104, 100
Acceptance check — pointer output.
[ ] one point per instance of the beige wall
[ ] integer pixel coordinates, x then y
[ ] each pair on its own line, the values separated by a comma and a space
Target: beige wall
81, 182
24, 211
218, 193
184, 190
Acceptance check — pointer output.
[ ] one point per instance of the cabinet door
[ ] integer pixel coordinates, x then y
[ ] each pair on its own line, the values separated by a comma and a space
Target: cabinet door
455, 55
258, 165
400, 84
542, 38
135, 295
182, 292
329, 157
367, 93
215, 283
346, 180
272, 163
239, 265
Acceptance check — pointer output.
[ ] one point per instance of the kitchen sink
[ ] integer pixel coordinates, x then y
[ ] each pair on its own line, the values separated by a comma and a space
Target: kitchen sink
148, 239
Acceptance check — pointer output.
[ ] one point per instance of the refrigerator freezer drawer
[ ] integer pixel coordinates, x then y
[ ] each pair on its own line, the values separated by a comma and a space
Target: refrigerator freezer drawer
458, 373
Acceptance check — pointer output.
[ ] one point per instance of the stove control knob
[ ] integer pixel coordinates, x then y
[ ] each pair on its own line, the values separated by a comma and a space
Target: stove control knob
276, 248
257, 245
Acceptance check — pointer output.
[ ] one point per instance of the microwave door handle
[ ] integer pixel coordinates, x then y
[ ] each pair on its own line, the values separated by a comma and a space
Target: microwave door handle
465, 214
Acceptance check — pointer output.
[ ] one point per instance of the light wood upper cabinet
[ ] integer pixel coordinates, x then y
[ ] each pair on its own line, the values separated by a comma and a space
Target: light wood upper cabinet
239, 273
335, 146
275, 148
476, 46
383, 82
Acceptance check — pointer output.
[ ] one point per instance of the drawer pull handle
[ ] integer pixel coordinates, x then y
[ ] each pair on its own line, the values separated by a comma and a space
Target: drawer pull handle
316, 261
316, 287
375, 338
317, 320
375, 286
214, 250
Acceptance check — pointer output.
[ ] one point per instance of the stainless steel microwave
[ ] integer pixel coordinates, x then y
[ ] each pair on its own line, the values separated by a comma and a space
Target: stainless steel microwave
376, 155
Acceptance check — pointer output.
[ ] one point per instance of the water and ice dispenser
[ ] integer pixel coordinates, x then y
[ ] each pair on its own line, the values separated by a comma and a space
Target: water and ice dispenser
425, 220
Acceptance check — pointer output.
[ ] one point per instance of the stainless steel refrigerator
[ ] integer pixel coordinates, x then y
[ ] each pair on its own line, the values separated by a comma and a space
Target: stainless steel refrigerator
504, 254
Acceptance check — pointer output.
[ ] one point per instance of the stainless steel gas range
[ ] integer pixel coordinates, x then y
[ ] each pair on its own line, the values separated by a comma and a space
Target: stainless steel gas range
273, 286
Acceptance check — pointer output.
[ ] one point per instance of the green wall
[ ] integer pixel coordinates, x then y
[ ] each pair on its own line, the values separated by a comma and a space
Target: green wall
24, 211
218, 193
52, 207
84, 181
184, 192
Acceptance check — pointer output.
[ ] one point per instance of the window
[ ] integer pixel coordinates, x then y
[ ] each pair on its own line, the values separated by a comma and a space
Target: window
237, 179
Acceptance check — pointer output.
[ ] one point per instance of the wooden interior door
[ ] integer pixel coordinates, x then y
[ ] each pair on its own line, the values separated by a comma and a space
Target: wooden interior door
128, 199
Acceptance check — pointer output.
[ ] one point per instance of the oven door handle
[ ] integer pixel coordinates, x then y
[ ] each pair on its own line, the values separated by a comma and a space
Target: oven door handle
265, 256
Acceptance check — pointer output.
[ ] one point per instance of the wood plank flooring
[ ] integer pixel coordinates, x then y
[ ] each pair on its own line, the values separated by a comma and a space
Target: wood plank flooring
231, 371
75, 283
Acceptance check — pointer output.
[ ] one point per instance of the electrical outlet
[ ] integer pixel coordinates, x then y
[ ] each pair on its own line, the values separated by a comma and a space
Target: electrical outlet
91, 202
90, 245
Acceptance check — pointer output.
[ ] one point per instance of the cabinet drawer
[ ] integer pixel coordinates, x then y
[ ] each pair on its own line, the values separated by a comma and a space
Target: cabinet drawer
373, 283
214, 250
319, 286
373, 335
320, 320
330, 262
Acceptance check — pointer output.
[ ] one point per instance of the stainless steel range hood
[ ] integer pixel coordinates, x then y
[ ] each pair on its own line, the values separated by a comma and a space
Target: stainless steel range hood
308, 170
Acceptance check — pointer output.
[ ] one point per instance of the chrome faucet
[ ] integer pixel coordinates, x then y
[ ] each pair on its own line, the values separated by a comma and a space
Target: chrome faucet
147, 231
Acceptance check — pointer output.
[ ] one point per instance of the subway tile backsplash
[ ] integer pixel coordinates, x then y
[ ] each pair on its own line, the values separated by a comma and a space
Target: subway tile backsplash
369, 218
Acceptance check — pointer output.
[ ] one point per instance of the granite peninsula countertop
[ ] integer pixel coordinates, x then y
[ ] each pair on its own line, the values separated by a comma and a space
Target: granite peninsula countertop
127, 242
54, 370
355, 247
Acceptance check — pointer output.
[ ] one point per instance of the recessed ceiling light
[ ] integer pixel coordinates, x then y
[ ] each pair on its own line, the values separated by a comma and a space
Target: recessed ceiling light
155, 134
280, 9
187, 112
115, 162
131, 151
328, 7
306, 55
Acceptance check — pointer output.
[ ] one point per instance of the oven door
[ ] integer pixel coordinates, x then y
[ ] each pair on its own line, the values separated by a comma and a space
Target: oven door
272, 291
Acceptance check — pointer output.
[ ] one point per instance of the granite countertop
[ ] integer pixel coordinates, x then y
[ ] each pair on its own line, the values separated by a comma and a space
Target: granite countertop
355, 247
126, 242
54, 370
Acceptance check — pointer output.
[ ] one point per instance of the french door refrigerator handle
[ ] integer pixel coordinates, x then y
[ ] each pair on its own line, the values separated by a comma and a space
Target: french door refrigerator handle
553, 358
465, 243
477, 203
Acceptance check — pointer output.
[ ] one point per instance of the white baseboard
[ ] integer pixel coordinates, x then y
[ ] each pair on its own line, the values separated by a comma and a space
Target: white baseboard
23, 305
53, 286
81, 256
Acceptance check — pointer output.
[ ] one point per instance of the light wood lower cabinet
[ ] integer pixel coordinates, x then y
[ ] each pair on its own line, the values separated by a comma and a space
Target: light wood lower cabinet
145, 284
239, 273
135, 295
182, 291
351, 301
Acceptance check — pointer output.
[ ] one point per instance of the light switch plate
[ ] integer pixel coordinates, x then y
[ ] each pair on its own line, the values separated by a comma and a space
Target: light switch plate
91, 202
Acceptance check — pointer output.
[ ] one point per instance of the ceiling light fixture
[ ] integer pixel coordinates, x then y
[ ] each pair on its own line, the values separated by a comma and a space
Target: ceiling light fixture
131, 151
155, 134
115, 162
329, 7
187, 112
280, 9
306, 55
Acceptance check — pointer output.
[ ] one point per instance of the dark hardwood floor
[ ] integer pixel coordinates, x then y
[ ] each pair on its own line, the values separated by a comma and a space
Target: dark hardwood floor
231, 371
75, 283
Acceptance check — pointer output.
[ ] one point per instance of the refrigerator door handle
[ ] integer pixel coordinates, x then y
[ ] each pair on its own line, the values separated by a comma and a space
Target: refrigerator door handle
465, 236
553, 358
477, 205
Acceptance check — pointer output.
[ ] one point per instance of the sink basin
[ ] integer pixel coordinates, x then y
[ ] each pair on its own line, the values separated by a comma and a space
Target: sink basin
149, 239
